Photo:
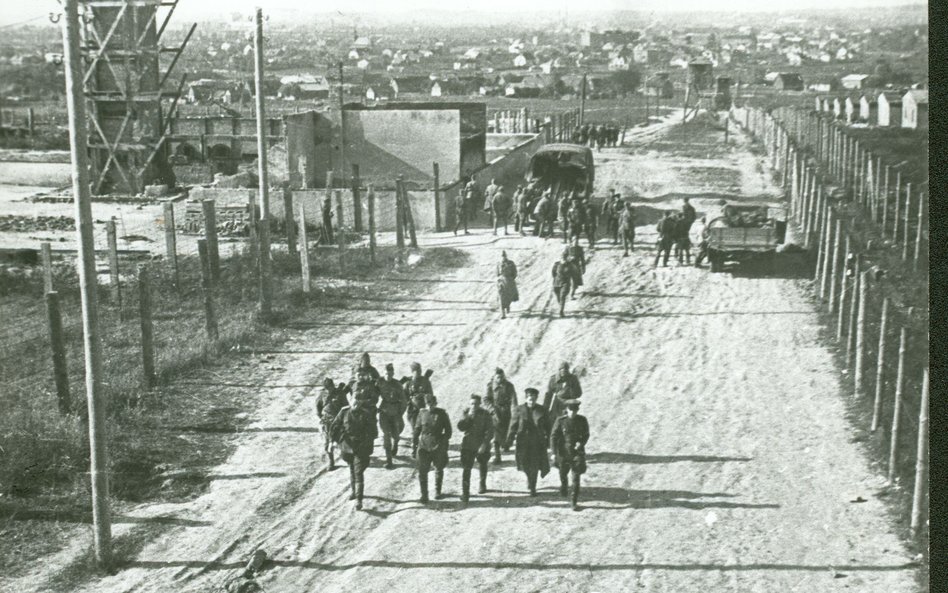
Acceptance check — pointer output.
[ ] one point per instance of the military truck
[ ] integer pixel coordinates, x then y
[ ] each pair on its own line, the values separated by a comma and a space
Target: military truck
745, 232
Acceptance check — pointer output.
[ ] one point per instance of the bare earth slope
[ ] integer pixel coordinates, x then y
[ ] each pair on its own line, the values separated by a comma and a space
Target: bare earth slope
719, 459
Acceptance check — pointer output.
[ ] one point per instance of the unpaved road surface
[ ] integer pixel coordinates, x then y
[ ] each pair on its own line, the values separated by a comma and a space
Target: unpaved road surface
720, 459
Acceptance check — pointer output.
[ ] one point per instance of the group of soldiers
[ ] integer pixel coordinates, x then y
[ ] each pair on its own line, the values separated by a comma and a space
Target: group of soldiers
597, 136
674, 230
352, 414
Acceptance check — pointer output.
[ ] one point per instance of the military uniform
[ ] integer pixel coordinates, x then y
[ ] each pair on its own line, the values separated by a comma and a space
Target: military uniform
461, 210
478, 429
560, 389
393, 404
330, 402
666, 237
530, 429
627, 229
431, 435
507, 285
568, 441
563, 275
576, 255
501, 401
500, 206
416, 388
355, 431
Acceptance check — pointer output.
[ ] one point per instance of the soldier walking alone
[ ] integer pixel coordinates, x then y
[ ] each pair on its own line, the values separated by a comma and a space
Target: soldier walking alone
530, 429
501, 402
627, 229
478, 429
355, 431
506, 284
392, 408
568, 441
563, 275
431, 436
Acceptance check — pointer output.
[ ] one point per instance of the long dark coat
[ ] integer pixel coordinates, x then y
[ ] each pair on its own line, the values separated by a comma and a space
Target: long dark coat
530, 428
355, 430
507, 282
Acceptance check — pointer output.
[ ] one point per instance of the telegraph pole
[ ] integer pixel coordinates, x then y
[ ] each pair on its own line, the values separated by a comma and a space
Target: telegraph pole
582, 102
342, 124
81, 181
264, 232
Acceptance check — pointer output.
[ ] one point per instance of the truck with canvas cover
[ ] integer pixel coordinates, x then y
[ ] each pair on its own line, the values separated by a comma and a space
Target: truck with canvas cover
562, 168
745, 232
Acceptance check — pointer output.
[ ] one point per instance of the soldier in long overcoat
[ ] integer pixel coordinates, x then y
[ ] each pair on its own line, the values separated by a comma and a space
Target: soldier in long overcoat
563, 277
501, 402
431, 435
568, 442
392, 406
330, 402
478, 428
563, 386
530, 429
355, 430
506, 284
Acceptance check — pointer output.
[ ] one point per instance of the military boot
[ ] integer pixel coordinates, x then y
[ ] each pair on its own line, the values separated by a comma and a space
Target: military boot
465, 485
332, 460
575, 493
439, 481
352, 482
388, 458
360, 488
423, 484
497, 459
564, 485
483, 486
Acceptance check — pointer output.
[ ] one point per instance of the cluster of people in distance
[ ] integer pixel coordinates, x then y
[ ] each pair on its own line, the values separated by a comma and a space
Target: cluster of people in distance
351, 415
596, 136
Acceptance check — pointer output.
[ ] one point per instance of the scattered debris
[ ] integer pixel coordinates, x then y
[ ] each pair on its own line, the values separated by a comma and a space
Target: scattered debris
858, 499
31, 224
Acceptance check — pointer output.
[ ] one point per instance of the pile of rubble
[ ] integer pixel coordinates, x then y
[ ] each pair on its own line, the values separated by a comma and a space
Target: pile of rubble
31, 224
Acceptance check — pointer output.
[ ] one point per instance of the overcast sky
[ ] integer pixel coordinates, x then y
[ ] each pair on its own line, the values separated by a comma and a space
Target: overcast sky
15, 11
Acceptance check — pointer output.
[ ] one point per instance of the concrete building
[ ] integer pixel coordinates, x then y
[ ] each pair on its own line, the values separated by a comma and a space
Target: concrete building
890, 108
915, 109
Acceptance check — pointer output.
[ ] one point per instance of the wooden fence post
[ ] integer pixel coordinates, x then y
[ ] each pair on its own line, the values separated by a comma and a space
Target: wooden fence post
210, 233
437, 196
853, 310
46, 254
885, 203
340, 238
861, 335
921, 460
399, 215
57, 344
842, 291
897, 408
148, 336
409, 218
356, 199
818, 270
908, 218
171, 243
880, 366
372, 224
210, 318
290, 220
825, 287
918, 235
115, 286
304, 250
898, 205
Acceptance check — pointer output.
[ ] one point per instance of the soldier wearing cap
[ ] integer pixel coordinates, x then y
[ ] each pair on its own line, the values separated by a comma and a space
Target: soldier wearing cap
416, 388
330, 402
431, 435
563, 276
530, 429
568, 441
355, 430
563, 385
501, 401
364, 387
365, 365
478, 428
392, 408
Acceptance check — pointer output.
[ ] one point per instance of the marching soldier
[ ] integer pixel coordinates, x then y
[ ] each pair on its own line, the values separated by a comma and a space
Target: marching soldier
563, 385
521, 203
416, 388
506, 284
568, 441
592, 221
530, 429
365, 363
627, 229
564, 212
577, 257
461, 211
355, 431
500, 206
478, 428
563, 275
392, 408
431, 435
615, 210
501, 401
666, 238
330, 402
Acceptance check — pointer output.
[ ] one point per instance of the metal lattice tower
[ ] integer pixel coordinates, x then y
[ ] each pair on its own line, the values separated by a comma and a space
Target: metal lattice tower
124, 83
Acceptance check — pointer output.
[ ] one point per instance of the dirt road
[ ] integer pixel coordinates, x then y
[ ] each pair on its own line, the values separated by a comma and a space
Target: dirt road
720, 459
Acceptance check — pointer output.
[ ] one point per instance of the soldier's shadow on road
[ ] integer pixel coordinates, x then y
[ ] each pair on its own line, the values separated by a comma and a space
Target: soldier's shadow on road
609, 457
618, 498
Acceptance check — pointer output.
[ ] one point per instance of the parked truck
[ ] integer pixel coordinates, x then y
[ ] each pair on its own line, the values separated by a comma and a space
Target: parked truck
745, 232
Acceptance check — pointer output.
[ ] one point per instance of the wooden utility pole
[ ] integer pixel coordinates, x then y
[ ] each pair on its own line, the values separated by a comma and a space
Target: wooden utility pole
265, 287
861, 335
582, 102
210, 316
342, 124
880, 366
78, 146
290, 220
57, 343
115, 282
46, 253
437, 196
356, 199
372, 224
171, 246
304, 249
210, 233
897, 408
919, 233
